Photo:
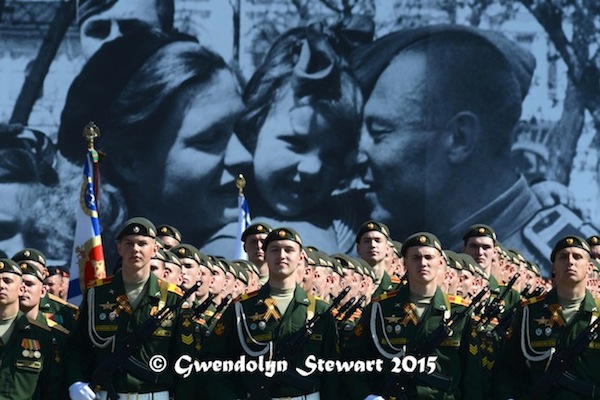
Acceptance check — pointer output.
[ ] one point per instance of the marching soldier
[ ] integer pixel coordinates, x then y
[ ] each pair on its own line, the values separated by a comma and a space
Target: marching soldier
28, 367
373, 246
398, 323
53, 306
261, 323
253, 238
549, 325
113, 310
169, 235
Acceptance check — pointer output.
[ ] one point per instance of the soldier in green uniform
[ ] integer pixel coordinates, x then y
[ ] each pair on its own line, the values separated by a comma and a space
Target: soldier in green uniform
169, 235
112, 310
52, 306
253, 238
372, 245
396, 323
594, 242
548, 324
28, 367
267, 320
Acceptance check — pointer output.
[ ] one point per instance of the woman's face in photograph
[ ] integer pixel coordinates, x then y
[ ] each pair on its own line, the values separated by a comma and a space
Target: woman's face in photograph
198, 162
299, 157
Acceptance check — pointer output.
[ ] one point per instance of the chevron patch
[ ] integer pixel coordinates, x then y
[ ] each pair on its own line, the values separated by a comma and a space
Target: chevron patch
473, 349
187, 339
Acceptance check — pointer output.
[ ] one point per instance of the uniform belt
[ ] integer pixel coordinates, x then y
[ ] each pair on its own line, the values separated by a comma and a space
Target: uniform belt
164, 395
312, 396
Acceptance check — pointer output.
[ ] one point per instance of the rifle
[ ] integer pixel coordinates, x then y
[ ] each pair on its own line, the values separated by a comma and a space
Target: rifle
342, 311
353, 309
224, 303
200, 308
508, 316
493, 310
102, 376
558, 370
396, 385
262, 388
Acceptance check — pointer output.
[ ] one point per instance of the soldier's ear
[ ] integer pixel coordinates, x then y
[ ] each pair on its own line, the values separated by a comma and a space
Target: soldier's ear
460, 136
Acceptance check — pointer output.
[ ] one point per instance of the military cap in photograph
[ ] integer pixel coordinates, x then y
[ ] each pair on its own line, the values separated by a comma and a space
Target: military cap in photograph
593, 240
569, 241
185, 250
30, 254
220, 263
160, 242
255, 229
29, 269
8, 265
282, 234
421, 239
169, 230
478, 230
137, 226
367, 270
370, 226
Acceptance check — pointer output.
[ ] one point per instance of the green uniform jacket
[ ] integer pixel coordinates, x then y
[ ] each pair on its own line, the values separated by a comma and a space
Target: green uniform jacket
386, 285
106, 320
28, 369
512, 376
224, 344
453, 357
59, 310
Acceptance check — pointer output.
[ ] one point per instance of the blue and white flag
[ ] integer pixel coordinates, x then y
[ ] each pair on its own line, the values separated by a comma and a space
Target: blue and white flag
243, 223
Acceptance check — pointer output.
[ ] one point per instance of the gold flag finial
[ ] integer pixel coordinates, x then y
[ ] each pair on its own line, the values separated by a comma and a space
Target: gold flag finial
240, 183
90, 133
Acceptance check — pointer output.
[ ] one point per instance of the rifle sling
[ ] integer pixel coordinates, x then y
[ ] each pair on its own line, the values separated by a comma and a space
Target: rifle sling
579, 386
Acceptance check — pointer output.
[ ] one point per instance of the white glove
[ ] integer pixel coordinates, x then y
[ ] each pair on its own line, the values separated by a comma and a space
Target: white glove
81, 391
374, 397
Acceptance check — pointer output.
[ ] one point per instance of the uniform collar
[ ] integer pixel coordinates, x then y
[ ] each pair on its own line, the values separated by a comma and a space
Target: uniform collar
300, 295
153, 286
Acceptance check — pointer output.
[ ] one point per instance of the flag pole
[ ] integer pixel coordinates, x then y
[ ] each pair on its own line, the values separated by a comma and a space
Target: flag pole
90, 133
243, 216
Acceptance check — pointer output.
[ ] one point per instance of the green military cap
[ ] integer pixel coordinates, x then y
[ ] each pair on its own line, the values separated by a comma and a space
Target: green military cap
519, 258
512, 256
453, 260
282, 234
569, 241
28, 269
372, 226
255, 229
397, 247
185, 250
312, 256
479, 230
359, 268
240, 270
421, 239
220, 263
336, 266
170, 257
593, 240
367, 269
62, 270
346, 262
501, 250
30, 254
160, 242
137, 226
159, 255
8, 265
533, 267
169, 230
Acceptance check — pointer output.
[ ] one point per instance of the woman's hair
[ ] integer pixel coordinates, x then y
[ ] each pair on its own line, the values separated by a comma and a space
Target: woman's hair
125, 88
312, 61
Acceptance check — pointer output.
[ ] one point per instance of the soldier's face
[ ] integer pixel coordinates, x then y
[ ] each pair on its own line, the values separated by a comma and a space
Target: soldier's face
10, 288
373, 247
571, 266
283, 258
253, 246
299, 157
403, 154
190, 272
157, 267
217, 281
33, 291
482, 249
423, 264
169, 242
137, 251
54, 284
466, 281
320, 282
